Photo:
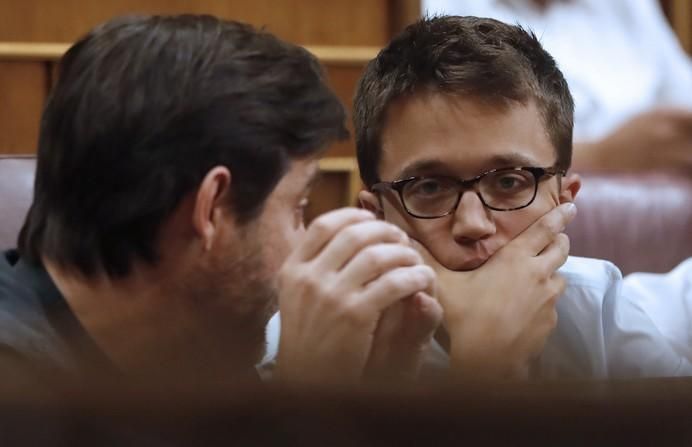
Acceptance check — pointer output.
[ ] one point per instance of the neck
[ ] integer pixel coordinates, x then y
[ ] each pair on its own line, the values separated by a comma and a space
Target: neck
147, 325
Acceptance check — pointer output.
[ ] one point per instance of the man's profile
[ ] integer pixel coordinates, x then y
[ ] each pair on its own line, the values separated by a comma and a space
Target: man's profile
175, 160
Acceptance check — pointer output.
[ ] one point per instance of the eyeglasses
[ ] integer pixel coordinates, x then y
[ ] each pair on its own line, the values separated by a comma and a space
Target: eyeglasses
505, 189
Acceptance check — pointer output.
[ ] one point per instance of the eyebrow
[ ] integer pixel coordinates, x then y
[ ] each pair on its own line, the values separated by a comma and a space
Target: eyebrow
421, 166
511, 159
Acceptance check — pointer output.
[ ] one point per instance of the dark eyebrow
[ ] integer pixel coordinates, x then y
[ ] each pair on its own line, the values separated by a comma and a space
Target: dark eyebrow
421, 166
512, 159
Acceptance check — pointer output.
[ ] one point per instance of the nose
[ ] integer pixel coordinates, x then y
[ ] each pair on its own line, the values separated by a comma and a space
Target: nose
472, 220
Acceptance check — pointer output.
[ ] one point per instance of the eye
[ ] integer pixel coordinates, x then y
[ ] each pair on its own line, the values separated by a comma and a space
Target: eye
509, 182
427, 187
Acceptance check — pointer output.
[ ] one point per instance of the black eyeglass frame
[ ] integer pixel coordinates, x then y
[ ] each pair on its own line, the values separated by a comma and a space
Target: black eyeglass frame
539, 174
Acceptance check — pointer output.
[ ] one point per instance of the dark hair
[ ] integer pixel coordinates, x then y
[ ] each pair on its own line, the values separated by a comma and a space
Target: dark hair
144, 107
481, 58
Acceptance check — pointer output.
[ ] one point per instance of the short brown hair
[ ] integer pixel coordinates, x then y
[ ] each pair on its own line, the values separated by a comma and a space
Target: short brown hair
482, 58
143, 108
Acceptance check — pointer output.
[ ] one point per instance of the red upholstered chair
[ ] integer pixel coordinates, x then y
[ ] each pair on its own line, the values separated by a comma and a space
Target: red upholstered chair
639, 222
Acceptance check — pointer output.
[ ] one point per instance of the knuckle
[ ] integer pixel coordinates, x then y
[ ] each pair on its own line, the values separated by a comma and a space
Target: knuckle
353, 313
396, 284
310, 285
321, 226
375, 256
564, 243
353, 236
540, 273
546, 225
559, 285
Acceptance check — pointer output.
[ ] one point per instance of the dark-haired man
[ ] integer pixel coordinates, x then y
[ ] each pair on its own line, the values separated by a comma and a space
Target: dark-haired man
175, 159
464, 138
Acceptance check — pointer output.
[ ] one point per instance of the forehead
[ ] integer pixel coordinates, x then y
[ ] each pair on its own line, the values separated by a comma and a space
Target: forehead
461, 136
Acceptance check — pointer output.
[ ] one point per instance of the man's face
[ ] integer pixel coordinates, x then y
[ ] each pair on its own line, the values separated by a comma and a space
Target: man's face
259, 247
239, 277
281, 226
443, 135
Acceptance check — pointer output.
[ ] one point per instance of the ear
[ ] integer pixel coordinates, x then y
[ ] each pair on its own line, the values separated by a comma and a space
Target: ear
569, 187
213, 197
371, 202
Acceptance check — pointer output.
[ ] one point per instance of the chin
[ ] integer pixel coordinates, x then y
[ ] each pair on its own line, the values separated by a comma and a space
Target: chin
470, 264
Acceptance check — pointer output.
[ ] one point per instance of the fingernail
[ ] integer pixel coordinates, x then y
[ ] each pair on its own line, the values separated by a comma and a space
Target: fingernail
571, 209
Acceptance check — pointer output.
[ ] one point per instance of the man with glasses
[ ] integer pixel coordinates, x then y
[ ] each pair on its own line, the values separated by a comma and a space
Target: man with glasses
464, 138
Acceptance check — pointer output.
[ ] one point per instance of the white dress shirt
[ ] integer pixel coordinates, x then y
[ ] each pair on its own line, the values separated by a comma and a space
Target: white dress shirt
620, 57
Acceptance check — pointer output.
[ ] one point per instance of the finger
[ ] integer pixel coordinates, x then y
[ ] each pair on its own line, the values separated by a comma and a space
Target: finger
402, 334
376, 260
541, 233
396, 285
412, 320
423, 316
554, 255
323, 229
559, 285
353, 239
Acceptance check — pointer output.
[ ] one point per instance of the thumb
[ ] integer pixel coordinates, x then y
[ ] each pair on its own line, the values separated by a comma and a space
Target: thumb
427, 312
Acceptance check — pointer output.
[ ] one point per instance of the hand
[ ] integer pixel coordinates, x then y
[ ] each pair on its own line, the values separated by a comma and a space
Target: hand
658, 139
499, 316
401, 339
334, 290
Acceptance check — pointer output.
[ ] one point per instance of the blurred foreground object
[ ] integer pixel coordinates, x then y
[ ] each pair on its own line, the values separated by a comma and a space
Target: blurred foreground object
630, 78
650, 412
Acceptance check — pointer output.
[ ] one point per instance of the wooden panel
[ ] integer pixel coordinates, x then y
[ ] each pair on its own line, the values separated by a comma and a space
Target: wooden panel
682, 22
679, 14
343, 80
26, 70
342, 22
402, 13
328, 193
23, 88
344, 67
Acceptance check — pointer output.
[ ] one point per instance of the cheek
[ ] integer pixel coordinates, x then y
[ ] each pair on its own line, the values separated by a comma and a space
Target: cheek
419, 229
277, 237
284, 239
512, 223
434, 234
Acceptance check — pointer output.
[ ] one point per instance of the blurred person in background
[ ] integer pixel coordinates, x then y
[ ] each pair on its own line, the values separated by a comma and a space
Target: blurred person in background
630, 78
